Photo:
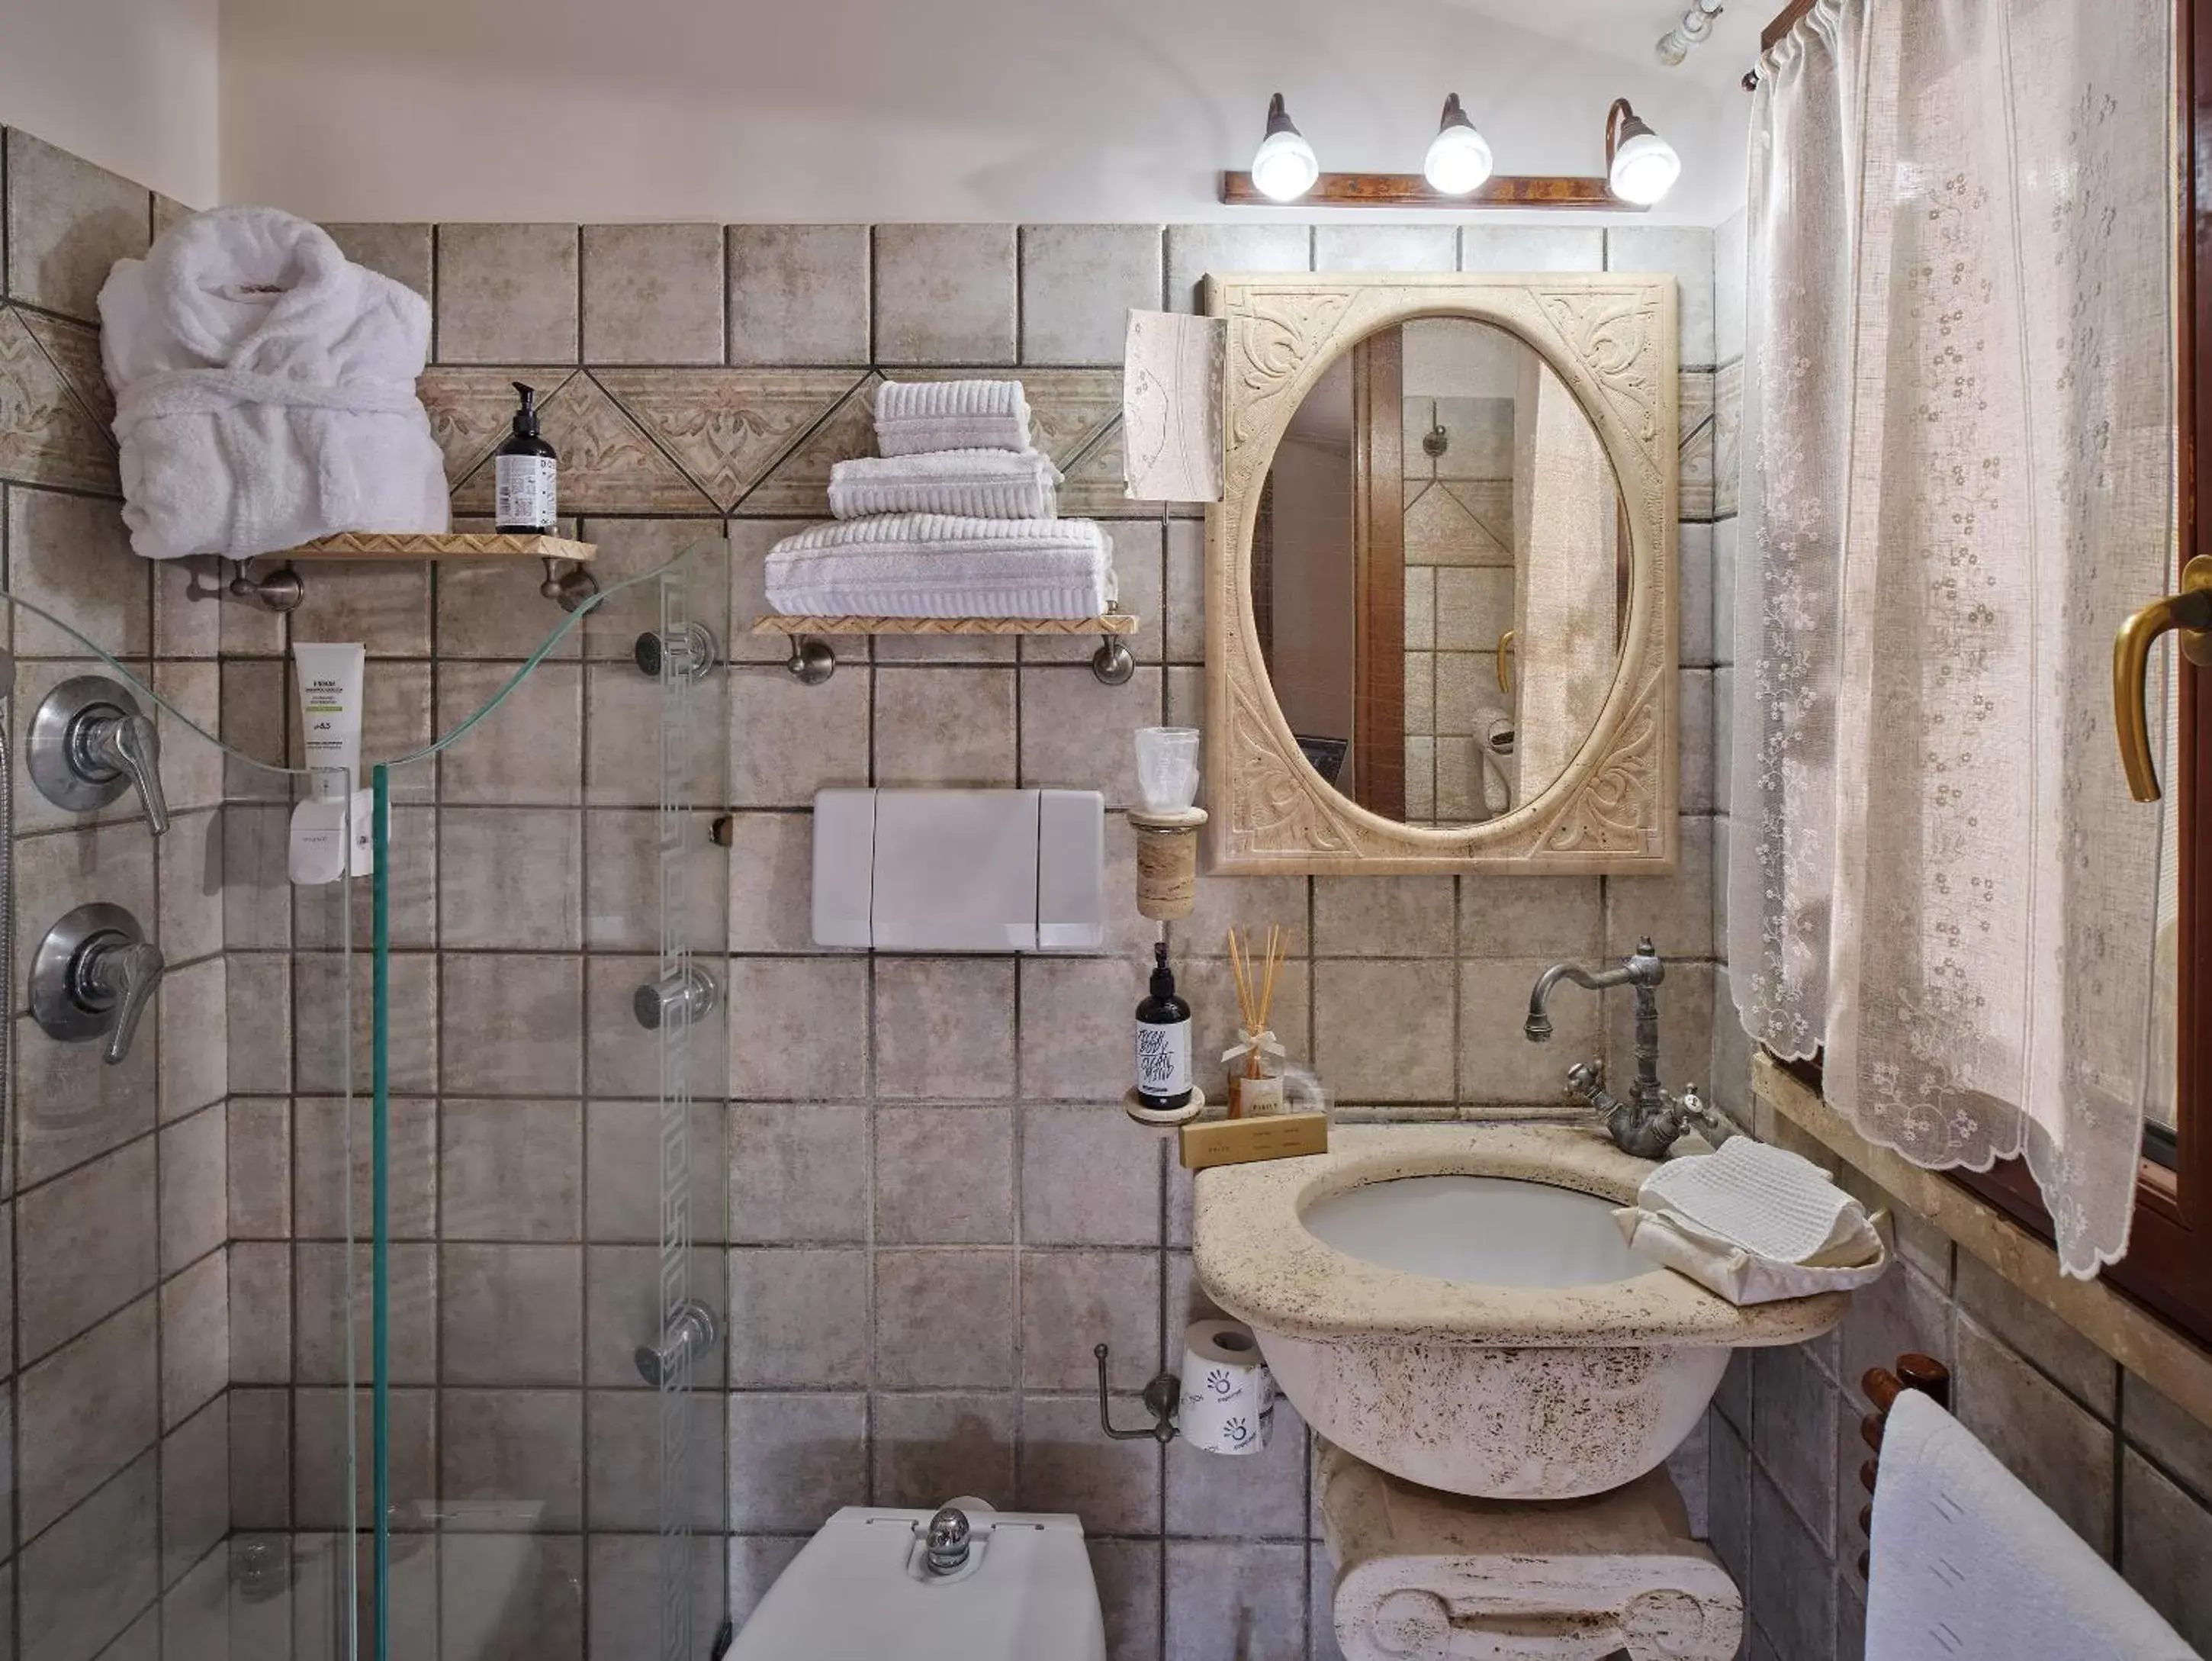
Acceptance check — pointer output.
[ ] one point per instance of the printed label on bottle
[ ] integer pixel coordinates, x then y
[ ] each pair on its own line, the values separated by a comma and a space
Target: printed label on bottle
524, 494
1163, 1058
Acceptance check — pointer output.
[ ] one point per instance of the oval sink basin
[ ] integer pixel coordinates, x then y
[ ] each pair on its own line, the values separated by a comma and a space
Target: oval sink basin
1454, 1304
1490, 1231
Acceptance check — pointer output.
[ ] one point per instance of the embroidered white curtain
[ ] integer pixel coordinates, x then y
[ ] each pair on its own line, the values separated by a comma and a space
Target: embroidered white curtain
1957, 481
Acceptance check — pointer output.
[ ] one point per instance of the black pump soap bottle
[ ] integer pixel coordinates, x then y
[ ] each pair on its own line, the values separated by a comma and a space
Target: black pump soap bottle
526, 501
1162, 1041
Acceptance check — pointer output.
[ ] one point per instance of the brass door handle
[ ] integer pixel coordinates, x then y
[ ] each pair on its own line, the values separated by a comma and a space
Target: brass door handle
1504, 652
2190, 612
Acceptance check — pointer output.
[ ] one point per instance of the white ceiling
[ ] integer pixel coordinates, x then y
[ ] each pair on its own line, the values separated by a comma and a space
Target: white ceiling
1629, 29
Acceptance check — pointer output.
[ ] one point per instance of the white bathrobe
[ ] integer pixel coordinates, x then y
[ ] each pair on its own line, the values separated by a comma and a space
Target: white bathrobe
264, 391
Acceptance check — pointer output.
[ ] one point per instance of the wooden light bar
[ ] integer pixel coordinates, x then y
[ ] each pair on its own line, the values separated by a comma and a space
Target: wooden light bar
1410, 189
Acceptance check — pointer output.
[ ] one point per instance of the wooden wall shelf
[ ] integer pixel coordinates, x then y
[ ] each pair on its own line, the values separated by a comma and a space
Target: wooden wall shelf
1112, 622
480, 545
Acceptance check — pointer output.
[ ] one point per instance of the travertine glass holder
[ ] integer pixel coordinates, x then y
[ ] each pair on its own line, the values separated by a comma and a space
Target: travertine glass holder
1167, 861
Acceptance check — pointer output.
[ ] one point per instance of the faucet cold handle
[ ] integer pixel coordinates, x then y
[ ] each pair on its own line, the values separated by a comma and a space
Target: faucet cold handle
121, 977
134, 743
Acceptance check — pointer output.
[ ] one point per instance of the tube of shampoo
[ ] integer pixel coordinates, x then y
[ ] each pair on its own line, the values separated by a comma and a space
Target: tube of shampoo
330, 718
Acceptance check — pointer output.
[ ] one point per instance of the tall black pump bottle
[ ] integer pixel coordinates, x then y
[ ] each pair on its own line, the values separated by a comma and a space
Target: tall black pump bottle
526, 499
1163, 1041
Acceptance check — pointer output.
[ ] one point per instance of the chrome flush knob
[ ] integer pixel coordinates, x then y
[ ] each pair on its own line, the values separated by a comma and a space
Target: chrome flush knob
949, 1541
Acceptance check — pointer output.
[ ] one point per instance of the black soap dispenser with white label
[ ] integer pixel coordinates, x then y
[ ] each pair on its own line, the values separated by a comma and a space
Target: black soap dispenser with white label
524, 469
1162, 1043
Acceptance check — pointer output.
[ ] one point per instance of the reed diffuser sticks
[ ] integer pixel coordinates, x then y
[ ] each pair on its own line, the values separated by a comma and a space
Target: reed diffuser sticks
1255, 997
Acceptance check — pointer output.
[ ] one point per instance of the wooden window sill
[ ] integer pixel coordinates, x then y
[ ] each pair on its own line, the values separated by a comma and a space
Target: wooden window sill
2121, 1328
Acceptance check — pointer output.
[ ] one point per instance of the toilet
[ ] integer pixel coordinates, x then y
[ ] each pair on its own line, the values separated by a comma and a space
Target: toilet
964, 1582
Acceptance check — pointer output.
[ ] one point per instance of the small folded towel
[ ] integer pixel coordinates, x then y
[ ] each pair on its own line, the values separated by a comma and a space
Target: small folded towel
969, 484
916, 416
1754, 1223
933, 565
1968, 1565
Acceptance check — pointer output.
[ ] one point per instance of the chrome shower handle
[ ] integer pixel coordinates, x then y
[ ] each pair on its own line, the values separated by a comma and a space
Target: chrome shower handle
121, 977
92, 975
129, 745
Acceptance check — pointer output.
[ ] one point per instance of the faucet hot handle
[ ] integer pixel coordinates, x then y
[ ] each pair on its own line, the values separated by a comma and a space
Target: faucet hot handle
1585, 1079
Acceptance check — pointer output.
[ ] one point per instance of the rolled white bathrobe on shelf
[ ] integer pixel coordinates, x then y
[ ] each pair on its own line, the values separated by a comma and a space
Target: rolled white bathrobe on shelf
934, 565
913, 416
264, 391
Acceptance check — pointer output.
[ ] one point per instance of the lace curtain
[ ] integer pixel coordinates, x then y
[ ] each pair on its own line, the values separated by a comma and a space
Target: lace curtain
1958, 480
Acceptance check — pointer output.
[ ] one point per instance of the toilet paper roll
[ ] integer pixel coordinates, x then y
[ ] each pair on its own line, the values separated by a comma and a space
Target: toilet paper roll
1228, 1397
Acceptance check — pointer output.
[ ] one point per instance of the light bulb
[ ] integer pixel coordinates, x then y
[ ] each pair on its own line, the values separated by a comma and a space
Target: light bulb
1284, 167
1640, 167
1458, 157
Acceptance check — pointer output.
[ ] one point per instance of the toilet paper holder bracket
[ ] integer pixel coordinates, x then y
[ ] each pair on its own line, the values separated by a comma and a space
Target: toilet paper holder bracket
1159, 1398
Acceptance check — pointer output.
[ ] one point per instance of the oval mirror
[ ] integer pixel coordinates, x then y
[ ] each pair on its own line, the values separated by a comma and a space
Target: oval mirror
1440, 571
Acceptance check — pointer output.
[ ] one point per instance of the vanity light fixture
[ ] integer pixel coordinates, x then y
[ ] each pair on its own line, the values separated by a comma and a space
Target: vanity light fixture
1640, 166
1458, 157
1285, 167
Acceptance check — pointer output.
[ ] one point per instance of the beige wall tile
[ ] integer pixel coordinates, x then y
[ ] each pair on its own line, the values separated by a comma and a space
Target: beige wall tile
799, 1028
622, 1155
511, 1170
511, 878
944, 1175
796, 740
544, 1577
81, 1582
1385, 248
1072, 1300
69, 221
622, 1306
515, 1445
930, 1447
798, 1173
1195, 251
943, 728
795, 1460
321, 1299
88, 1410
1076, 1016
190, 1004
1792, 1589
1497, 1061
1532, 914
804, 1315
195, 1339
507, 294
1223, 1597
1793, 1433
1128, 1576
322, 1157
1384, 917
196, 1493
2037, 1431
798, 294
2167, 1434
1079, 282
528, 751
399, 251
511, 1314
944, 1028
2083, 1370
511, 1025
1684, 253
1383, 1032
945, 293
944, 1318
87, 1245
1514, 248
771, 882
195, 1211
1067, 1466
2168, 1538
1676, 912
1086, 1180
653, 293
71, 555
624, 1453
1080, 735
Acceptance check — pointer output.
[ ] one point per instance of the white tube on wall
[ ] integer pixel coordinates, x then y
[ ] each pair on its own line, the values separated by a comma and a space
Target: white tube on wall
336, 815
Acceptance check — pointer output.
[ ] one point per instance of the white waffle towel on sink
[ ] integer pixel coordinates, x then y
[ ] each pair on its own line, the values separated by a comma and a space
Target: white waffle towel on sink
1753, 1223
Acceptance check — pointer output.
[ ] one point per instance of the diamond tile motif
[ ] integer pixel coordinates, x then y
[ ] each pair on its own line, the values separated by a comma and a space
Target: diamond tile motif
1444, 529
798, 487
75, 349
728, 428
608, 465
45, 435
471, 411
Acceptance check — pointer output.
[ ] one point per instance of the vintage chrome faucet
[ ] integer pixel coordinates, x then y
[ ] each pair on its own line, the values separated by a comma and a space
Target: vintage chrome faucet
1648, 1122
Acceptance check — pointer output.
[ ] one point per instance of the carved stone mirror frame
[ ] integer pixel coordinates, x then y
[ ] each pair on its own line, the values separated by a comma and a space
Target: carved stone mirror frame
1611, 339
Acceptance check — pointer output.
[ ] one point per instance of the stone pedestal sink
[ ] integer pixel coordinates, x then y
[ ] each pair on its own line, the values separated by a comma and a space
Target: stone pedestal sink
1454, 1305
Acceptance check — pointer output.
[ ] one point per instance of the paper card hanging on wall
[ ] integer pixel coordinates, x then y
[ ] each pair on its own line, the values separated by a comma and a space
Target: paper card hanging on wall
1171, 407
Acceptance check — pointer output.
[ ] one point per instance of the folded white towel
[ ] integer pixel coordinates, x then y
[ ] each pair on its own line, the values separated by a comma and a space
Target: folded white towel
1968, 1565
915, 416
265, 390
969, 484
932, 565
1753, 1223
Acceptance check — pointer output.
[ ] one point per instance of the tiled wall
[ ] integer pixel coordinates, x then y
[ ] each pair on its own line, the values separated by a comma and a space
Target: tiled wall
933, 1208
2127, 1469
114, 1336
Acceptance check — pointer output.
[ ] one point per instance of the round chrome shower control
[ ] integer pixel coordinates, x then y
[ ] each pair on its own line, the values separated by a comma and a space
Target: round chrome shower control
675, 999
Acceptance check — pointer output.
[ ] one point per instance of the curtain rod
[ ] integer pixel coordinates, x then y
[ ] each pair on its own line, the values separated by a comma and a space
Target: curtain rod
1784, 20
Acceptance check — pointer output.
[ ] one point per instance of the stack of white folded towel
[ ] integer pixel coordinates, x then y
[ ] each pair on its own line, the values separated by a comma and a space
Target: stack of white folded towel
1753, 1223
957, 516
